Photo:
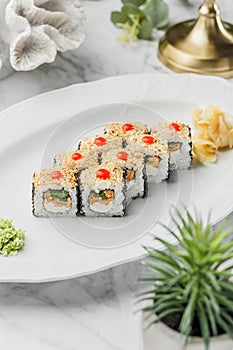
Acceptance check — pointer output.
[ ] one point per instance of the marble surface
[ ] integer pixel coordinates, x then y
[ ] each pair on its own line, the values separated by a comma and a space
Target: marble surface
97, 311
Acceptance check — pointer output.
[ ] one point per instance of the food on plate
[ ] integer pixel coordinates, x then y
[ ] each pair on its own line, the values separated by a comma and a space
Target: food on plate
105, 172
178, 138
54, 192
134, 165
11, 239
156, 155
99, 144
125, 130
102, 191
75, 160
213, 131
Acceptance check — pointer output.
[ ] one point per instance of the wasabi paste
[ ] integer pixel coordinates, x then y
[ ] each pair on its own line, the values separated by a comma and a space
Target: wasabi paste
11, 240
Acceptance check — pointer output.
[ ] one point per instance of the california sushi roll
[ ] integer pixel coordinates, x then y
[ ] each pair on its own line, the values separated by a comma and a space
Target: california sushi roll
76, 160
125, 130
54, 193
102, 191
156, 154
178, 138
134, 166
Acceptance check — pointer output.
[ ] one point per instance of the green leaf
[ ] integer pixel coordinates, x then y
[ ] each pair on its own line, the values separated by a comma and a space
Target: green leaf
168, 272
145, 29
157, 10
171, 232
209, 293
163, 257
147, 292
168, 312
228, 318
131, 9
119, 17
189, 287
178, 279
135, 2
219, 230
224, 325
224, 259
182, 255
227, 285
188, 315
211, 315
215, 243
204, 325
225, 302
213, 281
207, 233
166, 305
224, 248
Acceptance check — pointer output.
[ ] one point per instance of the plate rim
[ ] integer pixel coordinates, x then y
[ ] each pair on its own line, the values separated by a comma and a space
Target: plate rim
33, 99
100, 81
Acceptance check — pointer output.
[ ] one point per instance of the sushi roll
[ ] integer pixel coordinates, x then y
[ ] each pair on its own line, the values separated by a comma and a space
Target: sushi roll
178, 138
54, 193
156, 154
125, 130
76, 160
99, 144
135, 170
102, 191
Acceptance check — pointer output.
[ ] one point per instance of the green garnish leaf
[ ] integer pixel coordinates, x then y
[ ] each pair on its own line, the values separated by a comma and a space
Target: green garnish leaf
119, 17
61, 195
157, 10
133, 12
11, 240
146, 28
132, 9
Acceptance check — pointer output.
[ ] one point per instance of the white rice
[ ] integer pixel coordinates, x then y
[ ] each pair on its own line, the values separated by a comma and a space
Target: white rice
43, 210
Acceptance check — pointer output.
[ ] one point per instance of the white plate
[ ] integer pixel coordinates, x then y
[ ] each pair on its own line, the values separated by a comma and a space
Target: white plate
27, 134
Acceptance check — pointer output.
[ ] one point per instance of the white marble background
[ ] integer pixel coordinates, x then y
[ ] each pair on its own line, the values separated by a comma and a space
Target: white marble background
93, 312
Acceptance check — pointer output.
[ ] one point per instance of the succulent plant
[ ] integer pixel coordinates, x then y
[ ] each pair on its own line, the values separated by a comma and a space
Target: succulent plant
192, 279
137, 18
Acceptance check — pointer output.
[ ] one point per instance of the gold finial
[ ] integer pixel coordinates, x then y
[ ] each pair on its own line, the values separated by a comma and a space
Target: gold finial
203, 46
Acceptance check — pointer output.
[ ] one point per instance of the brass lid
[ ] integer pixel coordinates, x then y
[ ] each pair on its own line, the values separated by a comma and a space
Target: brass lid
203, 46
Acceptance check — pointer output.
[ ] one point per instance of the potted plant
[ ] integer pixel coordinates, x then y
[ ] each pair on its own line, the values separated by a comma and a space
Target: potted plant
189, 303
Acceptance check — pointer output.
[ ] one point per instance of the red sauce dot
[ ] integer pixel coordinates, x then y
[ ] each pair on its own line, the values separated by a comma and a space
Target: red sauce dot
56, 175
103, 174
122, 155
175, 126
100, 141
76, 156
127, 127
148, 139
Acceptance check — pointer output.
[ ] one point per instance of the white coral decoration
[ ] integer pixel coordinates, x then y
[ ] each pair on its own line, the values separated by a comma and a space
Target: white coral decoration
40, 28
